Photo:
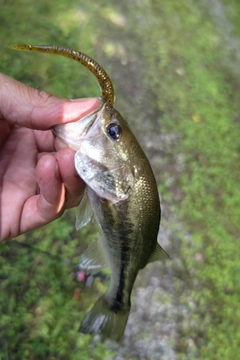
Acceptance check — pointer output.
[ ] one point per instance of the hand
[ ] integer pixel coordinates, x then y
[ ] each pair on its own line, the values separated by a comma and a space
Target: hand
38, 180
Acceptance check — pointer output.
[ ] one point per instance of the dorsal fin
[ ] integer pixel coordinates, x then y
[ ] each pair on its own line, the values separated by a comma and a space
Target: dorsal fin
158, 254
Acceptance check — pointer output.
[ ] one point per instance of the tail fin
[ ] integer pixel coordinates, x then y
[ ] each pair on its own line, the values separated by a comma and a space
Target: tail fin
104, 321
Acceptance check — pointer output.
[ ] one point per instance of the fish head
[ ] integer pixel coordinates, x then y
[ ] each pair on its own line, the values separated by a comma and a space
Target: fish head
102, 159
102, 140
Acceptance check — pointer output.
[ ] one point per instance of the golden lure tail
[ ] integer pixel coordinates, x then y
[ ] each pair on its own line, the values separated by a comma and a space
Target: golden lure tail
101, 75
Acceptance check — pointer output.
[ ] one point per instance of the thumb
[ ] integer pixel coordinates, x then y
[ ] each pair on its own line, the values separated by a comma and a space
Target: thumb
24, 106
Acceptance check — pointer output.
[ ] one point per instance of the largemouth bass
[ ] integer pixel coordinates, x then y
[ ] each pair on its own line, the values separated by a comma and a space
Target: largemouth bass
122, 194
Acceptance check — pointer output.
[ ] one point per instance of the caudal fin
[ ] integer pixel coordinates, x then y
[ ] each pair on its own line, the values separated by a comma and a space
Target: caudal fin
104, 321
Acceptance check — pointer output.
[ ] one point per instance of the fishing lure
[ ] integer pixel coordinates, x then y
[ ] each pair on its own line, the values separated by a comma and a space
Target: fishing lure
97, 70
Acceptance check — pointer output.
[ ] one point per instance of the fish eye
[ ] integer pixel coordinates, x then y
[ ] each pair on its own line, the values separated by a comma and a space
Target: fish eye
114, 131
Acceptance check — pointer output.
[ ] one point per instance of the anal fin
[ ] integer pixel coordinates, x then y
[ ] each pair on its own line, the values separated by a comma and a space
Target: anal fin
93, 259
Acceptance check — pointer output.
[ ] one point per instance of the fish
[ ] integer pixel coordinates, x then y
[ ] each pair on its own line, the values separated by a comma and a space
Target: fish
121, 195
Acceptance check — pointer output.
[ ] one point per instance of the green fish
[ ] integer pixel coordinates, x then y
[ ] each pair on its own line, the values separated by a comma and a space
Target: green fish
121, 193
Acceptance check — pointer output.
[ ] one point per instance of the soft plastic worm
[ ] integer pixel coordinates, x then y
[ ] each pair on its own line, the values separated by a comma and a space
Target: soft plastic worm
103, 78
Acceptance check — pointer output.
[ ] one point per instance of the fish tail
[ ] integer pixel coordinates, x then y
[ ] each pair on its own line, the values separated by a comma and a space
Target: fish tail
101, 319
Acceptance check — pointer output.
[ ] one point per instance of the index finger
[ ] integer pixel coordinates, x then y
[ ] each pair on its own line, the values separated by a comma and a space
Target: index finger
24, 106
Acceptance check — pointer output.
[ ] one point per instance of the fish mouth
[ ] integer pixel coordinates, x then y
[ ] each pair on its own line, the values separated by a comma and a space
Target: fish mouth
71, 133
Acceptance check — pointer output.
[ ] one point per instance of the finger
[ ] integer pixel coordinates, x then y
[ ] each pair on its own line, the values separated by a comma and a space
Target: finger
36, 109
4, 132
74, 185
49, 204
45, 140
59, 144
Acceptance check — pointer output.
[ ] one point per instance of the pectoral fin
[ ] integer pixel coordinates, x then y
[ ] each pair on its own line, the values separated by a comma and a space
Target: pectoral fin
93, 259
158, 254
84, 212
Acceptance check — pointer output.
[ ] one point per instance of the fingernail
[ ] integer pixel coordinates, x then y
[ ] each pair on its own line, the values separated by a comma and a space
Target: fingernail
85, 99
80, 108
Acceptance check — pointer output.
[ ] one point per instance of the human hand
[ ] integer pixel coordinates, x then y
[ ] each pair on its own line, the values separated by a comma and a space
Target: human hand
38, 180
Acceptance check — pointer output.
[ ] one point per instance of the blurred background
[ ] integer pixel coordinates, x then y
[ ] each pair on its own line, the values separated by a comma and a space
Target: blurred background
175, 68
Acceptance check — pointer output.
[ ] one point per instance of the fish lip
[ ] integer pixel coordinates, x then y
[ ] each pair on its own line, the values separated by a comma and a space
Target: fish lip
72, 132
